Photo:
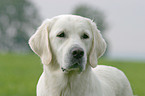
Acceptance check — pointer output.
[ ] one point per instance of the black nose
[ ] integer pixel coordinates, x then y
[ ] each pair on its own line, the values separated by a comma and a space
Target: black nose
77, 52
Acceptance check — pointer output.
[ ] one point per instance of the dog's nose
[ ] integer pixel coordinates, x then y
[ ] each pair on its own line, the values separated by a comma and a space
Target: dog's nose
77, 52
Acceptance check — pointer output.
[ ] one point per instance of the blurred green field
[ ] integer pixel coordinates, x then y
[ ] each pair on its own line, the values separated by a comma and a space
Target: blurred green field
19, 74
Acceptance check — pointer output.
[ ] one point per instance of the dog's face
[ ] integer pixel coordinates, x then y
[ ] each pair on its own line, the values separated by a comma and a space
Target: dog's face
73, 41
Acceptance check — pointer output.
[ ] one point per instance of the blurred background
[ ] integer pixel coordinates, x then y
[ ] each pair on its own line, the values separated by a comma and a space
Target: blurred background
122, 24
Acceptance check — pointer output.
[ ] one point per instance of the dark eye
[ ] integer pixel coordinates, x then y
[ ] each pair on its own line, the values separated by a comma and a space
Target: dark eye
84, 36
61, 35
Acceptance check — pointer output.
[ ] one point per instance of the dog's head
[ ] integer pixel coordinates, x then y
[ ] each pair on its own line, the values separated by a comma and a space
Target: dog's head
70, 40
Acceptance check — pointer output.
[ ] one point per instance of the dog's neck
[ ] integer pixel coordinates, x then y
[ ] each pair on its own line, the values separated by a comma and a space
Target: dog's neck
67, 83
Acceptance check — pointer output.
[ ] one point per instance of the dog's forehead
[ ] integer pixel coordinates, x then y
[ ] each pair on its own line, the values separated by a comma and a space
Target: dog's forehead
71, 23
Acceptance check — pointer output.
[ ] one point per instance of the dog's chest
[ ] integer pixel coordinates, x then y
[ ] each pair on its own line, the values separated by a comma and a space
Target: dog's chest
72, 90
75, 89
61, 87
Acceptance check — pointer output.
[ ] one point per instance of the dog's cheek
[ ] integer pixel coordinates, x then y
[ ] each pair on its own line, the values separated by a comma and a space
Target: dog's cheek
85, 59
88, 48
60, 56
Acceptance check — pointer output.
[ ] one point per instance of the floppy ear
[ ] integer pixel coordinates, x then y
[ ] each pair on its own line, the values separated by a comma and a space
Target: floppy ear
39, 42
98, 47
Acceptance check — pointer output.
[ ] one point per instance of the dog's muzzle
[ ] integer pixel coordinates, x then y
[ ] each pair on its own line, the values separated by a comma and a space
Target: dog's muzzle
76, 60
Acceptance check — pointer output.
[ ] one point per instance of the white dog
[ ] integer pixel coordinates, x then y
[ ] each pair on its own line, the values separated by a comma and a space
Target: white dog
69, 47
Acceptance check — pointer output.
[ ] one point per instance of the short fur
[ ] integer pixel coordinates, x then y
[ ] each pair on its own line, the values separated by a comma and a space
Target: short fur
54, 54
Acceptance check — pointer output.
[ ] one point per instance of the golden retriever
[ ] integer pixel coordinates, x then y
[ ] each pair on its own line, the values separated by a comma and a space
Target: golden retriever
69, 47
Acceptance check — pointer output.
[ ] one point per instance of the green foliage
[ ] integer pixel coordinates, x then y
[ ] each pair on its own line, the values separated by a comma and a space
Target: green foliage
19, 74
18, 18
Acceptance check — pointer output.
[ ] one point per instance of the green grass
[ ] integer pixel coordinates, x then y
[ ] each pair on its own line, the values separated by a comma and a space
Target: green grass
19, 74
135, 71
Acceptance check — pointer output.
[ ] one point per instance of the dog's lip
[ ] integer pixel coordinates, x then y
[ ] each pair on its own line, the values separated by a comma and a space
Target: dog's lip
63, 69
75, 67
67, 70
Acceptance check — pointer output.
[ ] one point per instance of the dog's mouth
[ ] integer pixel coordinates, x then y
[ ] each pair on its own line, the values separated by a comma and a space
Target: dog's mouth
75, 67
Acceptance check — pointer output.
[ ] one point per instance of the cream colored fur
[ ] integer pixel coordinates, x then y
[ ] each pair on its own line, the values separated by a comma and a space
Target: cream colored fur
93, 80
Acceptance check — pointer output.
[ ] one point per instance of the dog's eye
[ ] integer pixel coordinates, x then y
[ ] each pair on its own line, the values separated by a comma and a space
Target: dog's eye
61, 35
84, 36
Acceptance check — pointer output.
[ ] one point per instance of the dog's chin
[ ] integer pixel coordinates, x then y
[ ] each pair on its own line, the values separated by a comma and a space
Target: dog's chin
69, 71
73, 69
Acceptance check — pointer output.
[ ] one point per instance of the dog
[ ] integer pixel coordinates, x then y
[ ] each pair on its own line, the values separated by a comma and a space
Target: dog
69, 47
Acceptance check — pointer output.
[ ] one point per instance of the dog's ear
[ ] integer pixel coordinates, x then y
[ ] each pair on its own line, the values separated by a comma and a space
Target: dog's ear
39, 42
98, 46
